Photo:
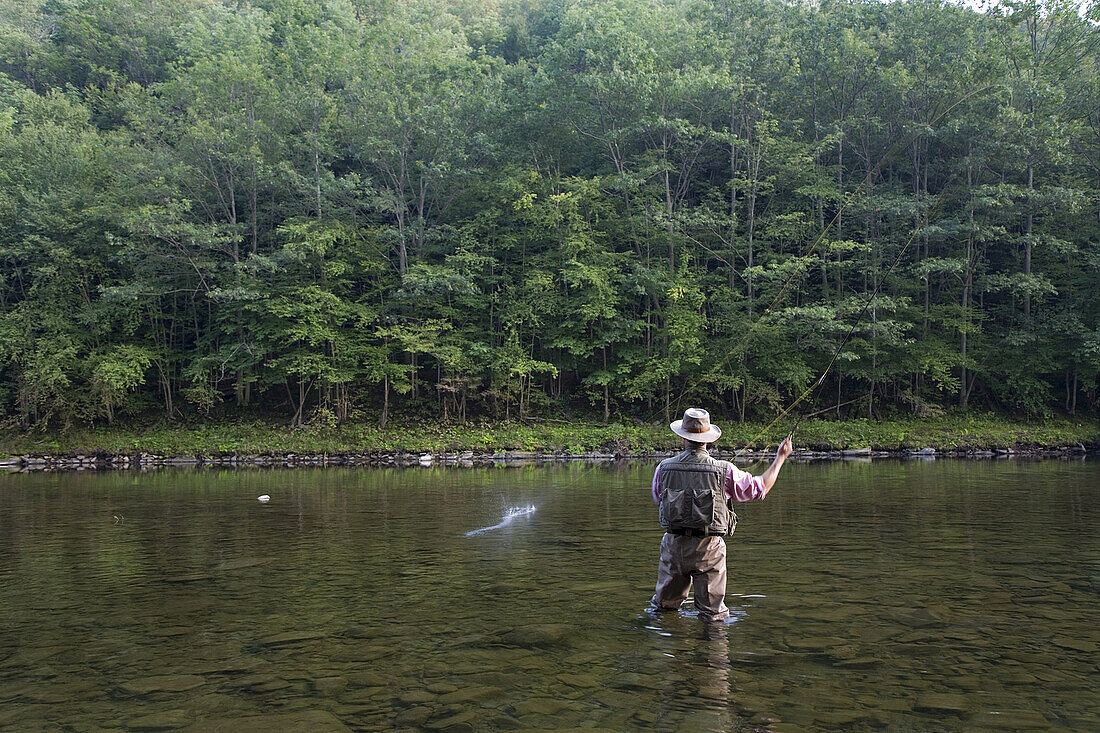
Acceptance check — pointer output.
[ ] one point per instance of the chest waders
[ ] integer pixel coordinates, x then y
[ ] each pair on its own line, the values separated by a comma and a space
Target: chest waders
693, 494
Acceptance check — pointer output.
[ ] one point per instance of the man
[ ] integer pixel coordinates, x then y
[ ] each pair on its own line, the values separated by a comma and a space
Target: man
694, 494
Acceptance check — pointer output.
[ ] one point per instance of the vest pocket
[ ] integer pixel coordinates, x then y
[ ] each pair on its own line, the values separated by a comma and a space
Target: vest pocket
718, 512
702, 508
688, 509
671, 508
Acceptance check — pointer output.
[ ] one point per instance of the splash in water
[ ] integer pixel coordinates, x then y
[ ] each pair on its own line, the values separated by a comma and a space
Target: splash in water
509, 516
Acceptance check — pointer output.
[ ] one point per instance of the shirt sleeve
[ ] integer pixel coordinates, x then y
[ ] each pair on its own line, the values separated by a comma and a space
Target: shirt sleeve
743, 486
656, 490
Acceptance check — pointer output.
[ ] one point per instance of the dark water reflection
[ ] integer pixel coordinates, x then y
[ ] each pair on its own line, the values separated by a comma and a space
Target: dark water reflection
885, 595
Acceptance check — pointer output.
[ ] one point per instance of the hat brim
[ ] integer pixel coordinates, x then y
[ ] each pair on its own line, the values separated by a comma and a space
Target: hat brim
708, 437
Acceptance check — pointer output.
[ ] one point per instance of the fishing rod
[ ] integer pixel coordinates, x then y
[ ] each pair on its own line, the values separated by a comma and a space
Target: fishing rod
847, 336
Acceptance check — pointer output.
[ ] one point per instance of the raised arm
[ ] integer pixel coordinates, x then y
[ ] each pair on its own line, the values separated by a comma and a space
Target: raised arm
769, 476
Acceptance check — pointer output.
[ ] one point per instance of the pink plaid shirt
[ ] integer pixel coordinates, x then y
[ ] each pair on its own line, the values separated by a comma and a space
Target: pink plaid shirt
740, 485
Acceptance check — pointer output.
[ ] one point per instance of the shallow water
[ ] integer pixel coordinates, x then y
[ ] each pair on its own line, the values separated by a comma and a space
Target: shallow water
906, 596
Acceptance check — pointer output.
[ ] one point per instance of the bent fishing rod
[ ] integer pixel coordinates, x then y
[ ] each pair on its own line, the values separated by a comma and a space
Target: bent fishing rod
847, 336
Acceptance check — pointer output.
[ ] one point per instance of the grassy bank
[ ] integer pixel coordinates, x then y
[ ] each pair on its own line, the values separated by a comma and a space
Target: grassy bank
258, 438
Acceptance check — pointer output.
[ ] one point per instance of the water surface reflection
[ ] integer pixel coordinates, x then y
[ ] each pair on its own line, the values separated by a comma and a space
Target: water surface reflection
898, 595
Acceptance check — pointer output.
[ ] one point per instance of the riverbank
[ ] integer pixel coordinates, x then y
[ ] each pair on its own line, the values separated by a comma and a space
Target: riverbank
262, 443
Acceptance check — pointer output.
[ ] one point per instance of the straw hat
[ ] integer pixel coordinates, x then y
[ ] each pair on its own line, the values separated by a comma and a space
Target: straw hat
696, 426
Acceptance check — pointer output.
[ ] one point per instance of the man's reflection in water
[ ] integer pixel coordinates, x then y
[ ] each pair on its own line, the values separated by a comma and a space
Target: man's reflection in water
694, 674
713, 662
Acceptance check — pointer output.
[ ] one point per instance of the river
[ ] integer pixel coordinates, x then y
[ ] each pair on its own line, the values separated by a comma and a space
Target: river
899, 595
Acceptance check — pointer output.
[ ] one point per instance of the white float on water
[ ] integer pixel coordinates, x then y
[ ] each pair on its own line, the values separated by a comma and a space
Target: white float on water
263, 499
511, 514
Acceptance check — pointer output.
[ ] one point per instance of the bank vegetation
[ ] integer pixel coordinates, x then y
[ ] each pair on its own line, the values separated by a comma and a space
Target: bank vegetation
331, 212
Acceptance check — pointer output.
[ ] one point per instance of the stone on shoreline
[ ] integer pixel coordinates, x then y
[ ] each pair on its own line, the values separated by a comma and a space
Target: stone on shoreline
101, 460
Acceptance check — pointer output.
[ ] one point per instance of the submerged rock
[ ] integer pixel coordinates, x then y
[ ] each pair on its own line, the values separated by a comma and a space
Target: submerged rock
330, 685
441, 688
1080, 645
539, 706
416, 716
172, 631
273, 685
463, 721
163, 683
187, 578
470, 694
368, 679
1010, 720
942, 702
315, 721
167, 720
228, 665
415, 697
637, 681
291, 637
857, 663
816, 644
583, 680
539, 635
838, 719
242, 563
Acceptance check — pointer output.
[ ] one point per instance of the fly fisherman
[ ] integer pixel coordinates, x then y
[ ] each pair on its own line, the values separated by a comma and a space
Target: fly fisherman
694, 495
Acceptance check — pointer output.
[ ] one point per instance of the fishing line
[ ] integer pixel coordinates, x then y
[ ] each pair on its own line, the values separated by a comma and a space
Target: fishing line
508, 518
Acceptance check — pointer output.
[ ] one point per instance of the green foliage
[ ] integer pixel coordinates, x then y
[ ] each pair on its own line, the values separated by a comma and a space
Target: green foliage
326, 435
117, 371
474, 210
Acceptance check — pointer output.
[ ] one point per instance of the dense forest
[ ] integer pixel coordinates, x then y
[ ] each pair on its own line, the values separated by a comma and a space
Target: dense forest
344, 209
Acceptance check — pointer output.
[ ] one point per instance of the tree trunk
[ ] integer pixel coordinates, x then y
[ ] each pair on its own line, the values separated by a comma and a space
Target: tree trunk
744, 400
733, 208
840, 212
385, 401
755, 154
316, 161
299, 416
968, 276
668, 224
668, 398
1030, 228
1073, 394
606, 394
402, 248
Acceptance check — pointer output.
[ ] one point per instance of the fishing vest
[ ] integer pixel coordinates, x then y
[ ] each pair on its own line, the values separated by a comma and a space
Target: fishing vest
693, 494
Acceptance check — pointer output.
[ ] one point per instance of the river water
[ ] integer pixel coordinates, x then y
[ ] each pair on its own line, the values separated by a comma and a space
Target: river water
896, 595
